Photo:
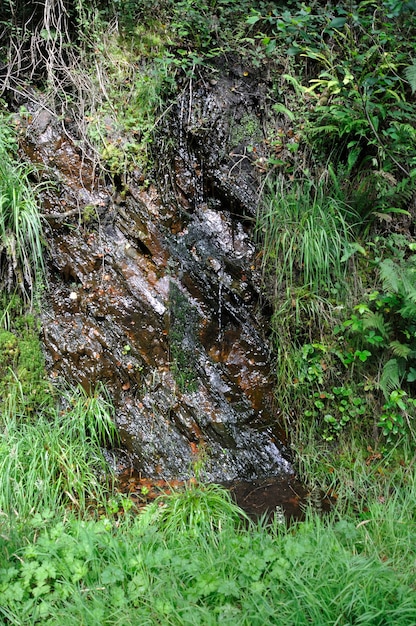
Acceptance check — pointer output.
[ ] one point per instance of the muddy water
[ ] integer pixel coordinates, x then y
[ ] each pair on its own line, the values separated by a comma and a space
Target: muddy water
156, 292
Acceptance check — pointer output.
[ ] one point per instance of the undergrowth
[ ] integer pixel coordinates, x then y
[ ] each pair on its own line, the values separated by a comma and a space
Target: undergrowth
116, 68
144, 570
336, 270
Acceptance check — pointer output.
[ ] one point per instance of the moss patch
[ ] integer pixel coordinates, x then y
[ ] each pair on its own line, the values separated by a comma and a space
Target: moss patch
182, 337
23, 384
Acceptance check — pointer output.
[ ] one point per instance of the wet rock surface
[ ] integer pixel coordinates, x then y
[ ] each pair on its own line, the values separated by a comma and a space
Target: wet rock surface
156, 293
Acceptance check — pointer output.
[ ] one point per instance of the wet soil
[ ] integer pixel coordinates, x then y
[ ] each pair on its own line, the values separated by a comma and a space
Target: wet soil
285, 497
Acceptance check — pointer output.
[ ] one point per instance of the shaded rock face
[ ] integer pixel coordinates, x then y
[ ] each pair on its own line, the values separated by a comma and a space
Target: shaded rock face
157, 295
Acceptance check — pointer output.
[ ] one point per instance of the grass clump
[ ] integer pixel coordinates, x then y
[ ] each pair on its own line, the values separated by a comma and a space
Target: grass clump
307, 234
306, 237
195, 510
21, 255
54, 458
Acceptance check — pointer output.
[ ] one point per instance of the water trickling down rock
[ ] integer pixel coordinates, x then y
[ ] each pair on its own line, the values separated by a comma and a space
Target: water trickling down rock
157, 295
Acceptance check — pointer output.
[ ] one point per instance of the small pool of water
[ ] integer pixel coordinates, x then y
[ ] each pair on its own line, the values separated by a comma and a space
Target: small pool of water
282, 495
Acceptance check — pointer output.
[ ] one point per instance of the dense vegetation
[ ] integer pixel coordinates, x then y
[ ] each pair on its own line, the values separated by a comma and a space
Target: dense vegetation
335, 232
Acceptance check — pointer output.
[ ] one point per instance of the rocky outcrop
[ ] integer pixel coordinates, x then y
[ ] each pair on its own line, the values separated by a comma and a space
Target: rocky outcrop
156, 293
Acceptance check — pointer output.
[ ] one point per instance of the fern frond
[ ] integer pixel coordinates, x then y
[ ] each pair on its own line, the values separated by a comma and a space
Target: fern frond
410, 73
390, 377
390, 275
280, 108
377, 322
405, 189
328, 129
400, 350
408, 310
408, 288
389, 190
406, 129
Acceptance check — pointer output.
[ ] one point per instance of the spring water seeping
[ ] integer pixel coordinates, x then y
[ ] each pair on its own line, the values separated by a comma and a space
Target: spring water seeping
156, 292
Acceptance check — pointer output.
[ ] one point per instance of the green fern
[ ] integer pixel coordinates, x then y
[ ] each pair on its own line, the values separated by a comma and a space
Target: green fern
389, 274
323, 130
408, 287
408, 310
393, 195
410, 74
390, 377
377, 322
401, 350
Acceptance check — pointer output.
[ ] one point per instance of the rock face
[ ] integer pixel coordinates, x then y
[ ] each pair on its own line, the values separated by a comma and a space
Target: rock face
156, 294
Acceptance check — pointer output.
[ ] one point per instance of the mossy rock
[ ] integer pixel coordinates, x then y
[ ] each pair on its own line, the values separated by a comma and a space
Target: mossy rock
23, 383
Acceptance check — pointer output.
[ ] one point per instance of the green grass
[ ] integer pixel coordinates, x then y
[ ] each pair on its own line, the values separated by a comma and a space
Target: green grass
21, 254
306, 237
323, 571
195, 510
306, 233
54, 458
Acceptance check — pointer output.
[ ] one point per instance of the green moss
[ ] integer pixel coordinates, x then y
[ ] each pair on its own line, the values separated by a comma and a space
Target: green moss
23, 383
8, 351
247, 131
182, 338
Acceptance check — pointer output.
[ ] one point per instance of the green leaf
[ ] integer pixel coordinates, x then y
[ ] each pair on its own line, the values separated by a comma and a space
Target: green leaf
280, 108
338, 22
363, 355
40, 590
361, 308
111, 575
229, 588
411, 376
271, 46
